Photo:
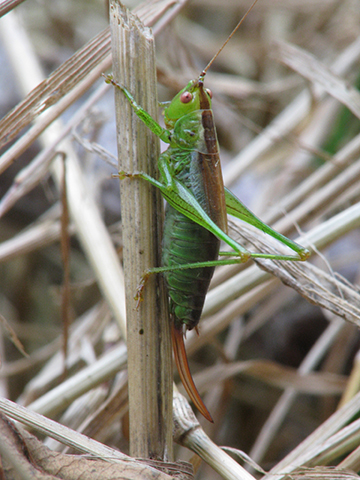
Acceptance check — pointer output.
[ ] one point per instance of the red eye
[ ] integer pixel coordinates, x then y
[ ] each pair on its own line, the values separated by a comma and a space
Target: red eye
186, 97
209, 92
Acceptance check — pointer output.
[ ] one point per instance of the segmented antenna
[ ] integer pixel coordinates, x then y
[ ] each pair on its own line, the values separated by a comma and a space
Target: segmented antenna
229, 38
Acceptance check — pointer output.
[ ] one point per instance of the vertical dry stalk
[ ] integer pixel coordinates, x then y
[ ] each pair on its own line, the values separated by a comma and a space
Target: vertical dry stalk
65, 254
149, 343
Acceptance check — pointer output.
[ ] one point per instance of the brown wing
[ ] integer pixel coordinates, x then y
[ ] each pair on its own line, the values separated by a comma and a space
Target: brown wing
209, 190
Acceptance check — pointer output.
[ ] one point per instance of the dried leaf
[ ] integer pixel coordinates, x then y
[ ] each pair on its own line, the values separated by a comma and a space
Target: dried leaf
24, 456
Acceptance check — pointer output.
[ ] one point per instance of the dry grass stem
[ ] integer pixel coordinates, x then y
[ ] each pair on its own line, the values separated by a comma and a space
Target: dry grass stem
149, 342
288, 121
187, 432
311, 69
62, 396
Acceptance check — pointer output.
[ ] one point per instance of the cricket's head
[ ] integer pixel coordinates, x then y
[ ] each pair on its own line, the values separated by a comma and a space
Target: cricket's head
191, 98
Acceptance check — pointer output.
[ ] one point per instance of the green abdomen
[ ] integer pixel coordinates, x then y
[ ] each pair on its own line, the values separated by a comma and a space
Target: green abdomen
187, 242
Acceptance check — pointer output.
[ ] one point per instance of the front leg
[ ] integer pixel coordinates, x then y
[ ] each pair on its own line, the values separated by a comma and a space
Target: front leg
165, 184
142, 175
152, 124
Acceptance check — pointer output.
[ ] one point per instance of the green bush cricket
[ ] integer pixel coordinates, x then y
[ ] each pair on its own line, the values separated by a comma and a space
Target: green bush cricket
196, 214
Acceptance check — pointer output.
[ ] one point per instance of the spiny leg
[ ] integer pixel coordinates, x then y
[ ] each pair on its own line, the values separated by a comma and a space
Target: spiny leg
152, 124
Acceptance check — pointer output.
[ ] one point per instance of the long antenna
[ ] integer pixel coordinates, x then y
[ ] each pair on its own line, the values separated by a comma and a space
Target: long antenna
229, 38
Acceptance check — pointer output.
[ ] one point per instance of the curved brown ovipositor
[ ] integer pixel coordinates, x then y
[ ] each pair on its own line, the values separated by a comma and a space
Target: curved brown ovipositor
184, 371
